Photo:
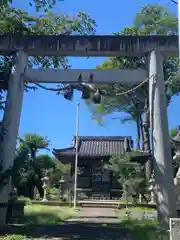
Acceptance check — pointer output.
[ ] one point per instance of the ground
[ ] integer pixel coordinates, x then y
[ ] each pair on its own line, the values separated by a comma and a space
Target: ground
85, 224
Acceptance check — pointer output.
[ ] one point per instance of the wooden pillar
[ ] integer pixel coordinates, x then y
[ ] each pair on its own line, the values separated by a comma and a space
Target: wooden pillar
10, 127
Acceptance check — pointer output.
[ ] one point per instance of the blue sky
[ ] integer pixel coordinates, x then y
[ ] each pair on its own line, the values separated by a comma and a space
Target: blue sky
51, 115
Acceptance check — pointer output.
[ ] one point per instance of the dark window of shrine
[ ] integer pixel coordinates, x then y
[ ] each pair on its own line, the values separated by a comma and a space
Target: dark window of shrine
84, 170
84, 182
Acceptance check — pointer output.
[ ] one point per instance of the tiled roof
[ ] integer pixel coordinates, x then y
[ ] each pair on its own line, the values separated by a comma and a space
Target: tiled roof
96, 146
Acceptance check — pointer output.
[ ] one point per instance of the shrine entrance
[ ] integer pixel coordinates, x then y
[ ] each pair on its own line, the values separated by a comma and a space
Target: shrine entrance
156, 47
101, 181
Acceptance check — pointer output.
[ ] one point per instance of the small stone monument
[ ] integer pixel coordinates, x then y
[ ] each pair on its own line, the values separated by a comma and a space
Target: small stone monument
152, 188
45, 181
174, 229
61, 187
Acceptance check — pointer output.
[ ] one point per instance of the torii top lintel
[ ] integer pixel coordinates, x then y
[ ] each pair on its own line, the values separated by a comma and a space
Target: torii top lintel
62, 45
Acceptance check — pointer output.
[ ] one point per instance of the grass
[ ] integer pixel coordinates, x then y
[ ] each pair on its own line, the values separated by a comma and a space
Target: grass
144, 229
137, 209
43, 214
13, 237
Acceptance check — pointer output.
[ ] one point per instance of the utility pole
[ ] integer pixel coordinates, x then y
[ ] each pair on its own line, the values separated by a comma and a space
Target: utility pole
76, 155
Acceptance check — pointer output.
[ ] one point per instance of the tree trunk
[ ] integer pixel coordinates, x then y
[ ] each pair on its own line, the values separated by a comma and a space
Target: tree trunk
141, 129
31, 190
146, 140
37, 182
138, 147
39, 187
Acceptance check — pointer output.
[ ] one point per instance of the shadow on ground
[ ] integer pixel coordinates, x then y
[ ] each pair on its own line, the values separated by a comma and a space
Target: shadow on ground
83, 231
73, 230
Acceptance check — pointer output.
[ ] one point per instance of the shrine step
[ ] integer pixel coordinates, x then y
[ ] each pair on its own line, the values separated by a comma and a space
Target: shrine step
99, 203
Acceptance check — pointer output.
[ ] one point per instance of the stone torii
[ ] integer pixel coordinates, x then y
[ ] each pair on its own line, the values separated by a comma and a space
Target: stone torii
155, 46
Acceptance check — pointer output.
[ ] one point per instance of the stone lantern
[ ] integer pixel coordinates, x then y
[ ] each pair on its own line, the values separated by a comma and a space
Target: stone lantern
45, 181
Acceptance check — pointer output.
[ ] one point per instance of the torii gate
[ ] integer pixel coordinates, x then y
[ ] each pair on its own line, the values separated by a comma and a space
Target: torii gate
156, 46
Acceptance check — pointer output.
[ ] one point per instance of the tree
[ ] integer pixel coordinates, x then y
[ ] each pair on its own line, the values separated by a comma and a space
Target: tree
152, 19
173, 132
34, 143
30, 165
45, 4
129, 174
134, 103
133, 111
16, 21
13, 20
59, 171
27, 172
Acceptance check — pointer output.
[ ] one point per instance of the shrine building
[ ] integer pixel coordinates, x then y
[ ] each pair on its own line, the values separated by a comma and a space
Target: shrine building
94, 179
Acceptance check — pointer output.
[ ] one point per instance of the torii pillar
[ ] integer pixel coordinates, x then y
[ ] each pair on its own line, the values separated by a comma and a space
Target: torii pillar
10, 127
166, 203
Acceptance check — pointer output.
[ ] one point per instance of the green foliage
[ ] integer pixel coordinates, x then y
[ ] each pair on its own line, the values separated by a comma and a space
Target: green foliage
124, 168
34, 143
12, 237
43, 214
144, 229
29, 167
59, 170
173, 132
129, 174
156, 19
151, 20
44, 162
53, 194
38, 4
16, 21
